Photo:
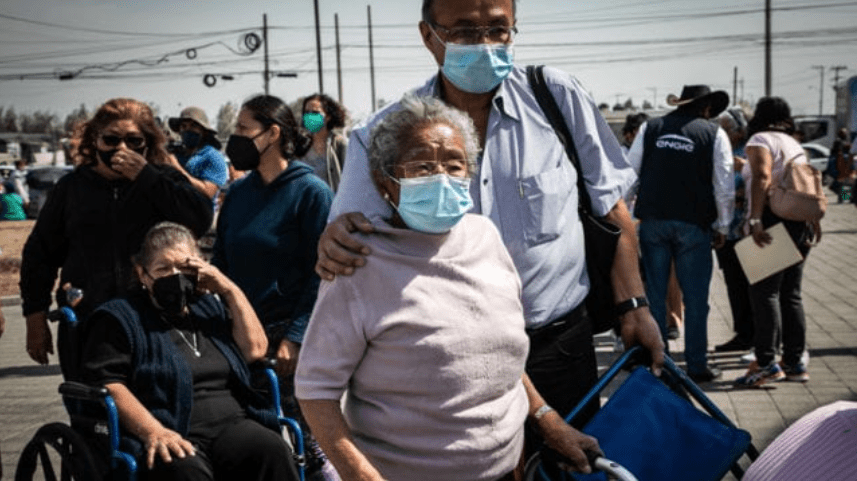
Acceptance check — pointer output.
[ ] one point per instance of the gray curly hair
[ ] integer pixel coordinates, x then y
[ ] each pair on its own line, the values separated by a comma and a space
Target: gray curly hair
389, 135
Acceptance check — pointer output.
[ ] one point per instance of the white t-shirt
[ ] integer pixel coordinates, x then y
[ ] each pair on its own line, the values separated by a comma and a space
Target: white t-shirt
783, 148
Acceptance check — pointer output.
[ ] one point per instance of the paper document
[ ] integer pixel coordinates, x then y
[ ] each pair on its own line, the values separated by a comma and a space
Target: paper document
761, 262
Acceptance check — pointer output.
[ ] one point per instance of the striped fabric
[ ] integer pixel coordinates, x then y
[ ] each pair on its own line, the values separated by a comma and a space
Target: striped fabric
820, 445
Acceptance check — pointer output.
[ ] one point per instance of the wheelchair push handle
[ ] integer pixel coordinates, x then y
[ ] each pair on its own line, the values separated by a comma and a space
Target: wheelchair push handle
613, 469
73, 296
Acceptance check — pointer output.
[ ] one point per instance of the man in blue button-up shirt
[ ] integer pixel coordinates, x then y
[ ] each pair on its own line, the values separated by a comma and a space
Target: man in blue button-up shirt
526, 185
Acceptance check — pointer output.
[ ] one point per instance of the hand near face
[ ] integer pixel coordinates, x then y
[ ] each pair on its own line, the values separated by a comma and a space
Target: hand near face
128, 163
209, 278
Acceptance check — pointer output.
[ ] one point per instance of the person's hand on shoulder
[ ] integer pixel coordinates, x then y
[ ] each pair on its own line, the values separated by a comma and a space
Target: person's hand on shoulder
339, 252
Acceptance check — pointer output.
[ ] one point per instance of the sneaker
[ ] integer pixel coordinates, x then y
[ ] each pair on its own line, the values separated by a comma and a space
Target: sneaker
796, 373
733, 345
756, 377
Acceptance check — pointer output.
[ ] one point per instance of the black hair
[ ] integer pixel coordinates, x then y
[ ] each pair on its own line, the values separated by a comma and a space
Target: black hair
772, 114
633, 122
427, 13
334, 112
268, 110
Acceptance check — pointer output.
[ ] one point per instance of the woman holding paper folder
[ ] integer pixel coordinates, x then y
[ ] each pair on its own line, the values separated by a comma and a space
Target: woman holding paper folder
776, 300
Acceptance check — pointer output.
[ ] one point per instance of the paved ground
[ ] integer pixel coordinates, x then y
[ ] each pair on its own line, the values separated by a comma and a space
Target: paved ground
28, 396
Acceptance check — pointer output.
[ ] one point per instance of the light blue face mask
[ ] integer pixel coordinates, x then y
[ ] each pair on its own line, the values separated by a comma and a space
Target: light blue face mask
478, 68
433, 204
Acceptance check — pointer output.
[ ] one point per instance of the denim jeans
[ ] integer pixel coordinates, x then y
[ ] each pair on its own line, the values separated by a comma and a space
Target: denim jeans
662, 241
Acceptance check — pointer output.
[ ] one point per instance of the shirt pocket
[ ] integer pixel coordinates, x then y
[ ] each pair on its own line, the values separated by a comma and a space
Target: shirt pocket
546, 198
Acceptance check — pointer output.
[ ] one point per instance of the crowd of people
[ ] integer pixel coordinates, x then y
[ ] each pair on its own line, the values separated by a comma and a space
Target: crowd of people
421, 285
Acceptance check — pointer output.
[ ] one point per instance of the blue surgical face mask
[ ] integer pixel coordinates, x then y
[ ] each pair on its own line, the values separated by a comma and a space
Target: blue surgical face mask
477, 68
433, 204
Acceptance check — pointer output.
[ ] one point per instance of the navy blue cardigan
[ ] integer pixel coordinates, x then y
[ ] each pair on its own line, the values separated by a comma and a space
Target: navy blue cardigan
161, 379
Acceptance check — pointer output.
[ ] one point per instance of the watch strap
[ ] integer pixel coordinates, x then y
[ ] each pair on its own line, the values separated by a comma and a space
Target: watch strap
629, 305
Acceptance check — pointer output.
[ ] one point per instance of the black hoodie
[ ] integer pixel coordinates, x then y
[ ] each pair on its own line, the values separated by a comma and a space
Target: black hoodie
90, 227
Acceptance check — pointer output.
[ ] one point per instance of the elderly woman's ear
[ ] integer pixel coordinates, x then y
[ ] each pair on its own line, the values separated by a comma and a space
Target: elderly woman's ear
386, 187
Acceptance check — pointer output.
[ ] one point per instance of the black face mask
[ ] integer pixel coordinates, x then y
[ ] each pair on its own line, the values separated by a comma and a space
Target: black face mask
106, 156
173, 293
242, 152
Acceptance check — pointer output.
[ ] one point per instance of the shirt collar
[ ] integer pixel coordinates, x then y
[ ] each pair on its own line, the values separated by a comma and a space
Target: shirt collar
505, 100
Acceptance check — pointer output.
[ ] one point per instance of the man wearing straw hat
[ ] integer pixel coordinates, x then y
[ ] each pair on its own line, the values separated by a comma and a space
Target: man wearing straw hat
685, 203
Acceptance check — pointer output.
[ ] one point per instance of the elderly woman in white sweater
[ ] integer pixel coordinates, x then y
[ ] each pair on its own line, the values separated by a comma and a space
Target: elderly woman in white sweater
427, 339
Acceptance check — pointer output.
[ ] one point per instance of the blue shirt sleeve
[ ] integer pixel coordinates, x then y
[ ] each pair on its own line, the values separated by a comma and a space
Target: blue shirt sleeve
209, 165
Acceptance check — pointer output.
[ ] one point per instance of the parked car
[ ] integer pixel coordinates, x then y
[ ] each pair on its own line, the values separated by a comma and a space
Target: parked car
41, 180
6, 171
817, 155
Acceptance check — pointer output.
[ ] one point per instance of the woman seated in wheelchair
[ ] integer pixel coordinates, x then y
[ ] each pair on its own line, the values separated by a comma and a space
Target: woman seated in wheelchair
428, 337
174, 356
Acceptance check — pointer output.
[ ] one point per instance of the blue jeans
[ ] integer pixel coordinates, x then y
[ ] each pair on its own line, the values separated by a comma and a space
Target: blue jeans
662, 241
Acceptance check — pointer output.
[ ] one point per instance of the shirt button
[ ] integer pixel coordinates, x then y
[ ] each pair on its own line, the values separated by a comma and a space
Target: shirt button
485, 182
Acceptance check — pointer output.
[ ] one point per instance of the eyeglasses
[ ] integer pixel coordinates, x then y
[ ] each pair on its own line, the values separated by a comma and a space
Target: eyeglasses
424, 168
474, 35
131, 141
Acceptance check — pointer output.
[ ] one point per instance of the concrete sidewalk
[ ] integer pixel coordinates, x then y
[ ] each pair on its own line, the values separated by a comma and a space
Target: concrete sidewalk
29, 399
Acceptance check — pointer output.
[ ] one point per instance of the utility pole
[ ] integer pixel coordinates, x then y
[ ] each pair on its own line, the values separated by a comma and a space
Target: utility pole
735, 86
836, 70
318, 48
267, 73
820, 88
767, 48
338, 59
371, 56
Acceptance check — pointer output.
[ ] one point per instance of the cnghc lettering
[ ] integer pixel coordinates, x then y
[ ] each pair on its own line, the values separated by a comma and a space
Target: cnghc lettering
668, 144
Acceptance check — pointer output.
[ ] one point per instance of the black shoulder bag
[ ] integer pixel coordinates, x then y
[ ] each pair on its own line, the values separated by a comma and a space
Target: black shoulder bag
600, 237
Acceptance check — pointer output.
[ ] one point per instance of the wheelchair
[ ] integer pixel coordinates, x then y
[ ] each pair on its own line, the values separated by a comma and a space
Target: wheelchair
91, 448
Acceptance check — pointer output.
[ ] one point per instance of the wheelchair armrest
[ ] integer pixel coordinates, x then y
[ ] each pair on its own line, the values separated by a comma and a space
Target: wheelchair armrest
82, 391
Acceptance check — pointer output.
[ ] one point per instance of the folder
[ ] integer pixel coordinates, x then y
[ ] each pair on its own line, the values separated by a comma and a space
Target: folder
762, 262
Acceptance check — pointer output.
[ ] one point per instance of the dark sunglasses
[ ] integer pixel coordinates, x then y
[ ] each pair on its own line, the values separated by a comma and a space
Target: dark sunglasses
131, 141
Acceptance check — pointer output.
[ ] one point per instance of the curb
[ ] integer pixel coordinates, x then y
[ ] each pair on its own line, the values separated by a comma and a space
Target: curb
10, 301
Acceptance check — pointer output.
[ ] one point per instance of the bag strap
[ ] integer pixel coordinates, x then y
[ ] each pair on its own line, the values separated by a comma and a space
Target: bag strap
546, 100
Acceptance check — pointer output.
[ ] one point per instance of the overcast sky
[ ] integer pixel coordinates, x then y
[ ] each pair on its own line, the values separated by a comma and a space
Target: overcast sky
618, 49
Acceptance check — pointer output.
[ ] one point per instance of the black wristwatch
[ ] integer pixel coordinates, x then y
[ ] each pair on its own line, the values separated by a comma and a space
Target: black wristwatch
629, 305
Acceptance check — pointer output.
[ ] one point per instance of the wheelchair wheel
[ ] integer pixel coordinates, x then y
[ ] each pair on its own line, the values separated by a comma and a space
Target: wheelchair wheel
76, 461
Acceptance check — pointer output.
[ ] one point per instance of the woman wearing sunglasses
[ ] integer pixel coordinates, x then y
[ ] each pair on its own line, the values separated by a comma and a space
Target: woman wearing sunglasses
96, 217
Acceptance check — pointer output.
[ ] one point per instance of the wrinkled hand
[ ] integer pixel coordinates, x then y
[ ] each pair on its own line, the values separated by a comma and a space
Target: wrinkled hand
569, 443
128, 163
760, 236
209, 278
166, 443
39, 339
638, 327
339, 252
287, 357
